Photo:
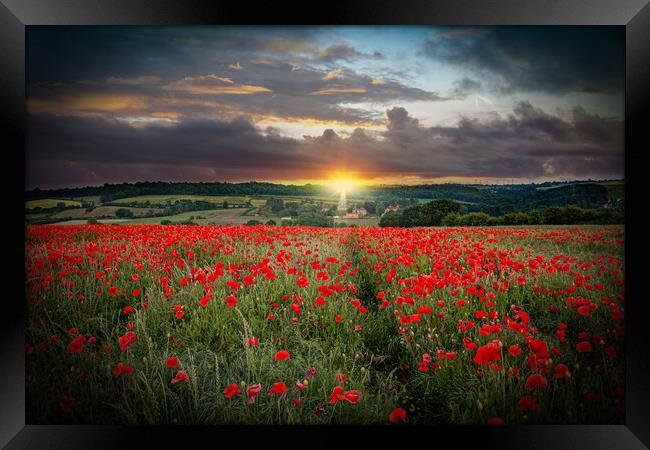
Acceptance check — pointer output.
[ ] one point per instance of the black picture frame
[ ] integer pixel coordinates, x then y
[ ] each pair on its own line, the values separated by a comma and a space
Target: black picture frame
634, 15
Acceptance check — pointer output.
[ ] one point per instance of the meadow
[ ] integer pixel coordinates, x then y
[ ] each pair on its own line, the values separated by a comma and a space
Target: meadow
151, 324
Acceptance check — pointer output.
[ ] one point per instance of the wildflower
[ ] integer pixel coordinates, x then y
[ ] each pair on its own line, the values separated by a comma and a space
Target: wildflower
180, 377
278, 388
397, 415
252, 391
231, 390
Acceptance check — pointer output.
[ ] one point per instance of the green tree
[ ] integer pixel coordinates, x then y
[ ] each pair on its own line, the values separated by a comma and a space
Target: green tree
123, 213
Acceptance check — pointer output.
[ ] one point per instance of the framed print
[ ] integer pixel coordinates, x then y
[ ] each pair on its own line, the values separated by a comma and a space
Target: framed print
396, 220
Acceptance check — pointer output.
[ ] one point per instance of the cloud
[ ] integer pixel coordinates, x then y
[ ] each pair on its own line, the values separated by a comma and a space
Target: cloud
333, 74
399, 119
213, 85
465, 86
151, 79
528, 143
235, 66
330, 90
552, 60
342, 52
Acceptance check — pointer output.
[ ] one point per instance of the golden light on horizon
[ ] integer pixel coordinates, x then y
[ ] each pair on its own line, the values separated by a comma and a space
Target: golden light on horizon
343, 184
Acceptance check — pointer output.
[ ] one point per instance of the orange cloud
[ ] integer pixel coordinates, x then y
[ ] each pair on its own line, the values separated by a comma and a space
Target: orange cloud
213, 84
336, 73
330, 90
87, 103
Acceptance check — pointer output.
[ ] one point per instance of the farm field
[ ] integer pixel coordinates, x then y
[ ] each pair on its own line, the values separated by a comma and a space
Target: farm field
234, 216
159, 199
50, 203
149, 324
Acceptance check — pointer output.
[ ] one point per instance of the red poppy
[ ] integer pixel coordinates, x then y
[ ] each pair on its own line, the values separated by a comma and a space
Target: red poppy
527, 404
127, 340
282, 355
536, 381
514, 350
67, 403
231, 390
180, 377
561, 372
352, 396
172, 362
495, 421
231, 301
278, 388
397, 415
298, 403
122, 369
252, 391
128, 310
336, 395
253, 341
488, 353
77, 344
584, 347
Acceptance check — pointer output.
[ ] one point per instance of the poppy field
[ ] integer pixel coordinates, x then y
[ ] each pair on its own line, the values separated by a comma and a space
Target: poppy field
152, 324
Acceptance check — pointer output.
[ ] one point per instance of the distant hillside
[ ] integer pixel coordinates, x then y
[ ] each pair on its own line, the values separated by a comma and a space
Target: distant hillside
495, 200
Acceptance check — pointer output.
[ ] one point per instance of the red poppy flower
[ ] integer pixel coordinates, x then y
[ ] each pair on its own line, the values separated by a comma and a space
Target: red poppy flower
253, 341
514, 350
127, 340
172, 362
584, 347
495, 421
336, 395
282, 355
352, 396
278, 388
77, 344
67, 403
536, 381
397, 415
231, 390
561, 372
180, 377
252, 391
122, 369
488, 353
298, 403
231, 301
128, 310
527, 404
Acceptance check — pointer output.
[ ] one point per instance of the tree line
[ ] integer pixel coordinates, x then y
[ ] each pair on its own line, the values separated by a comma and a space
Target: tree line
449, 213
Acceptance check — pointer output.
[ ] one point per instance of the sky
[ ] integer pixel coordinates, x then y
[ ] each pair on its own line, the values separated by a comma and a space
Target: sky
380, 105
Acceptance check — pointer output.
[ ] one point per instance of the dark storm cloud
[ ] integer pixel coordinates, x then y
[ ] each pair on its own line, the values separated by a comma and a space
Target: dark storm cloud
527, 143
539, 59
269, 90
